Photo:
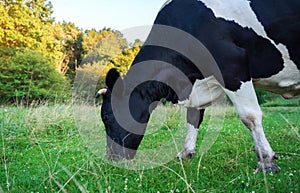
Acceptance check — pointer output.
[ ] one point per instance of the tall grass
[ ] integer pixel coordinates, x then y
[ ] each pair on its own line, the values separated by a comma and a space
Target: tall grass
43, 151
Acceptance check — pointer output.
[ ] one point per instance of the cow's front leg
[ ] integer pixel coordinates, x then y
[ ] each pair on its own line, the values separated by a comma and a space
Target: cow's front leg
246, 104
194, 119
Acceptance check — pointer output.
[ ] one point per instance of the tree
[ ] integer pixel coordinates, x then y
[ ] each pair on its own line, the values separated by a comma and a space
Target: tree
25, 24
28, 24
92, 37
123, 60
70, 39
102, 45
41, 9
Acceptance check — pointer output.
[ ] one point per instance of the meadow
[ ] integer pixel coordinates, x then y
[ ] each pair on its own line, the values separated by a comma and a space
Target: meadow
42, 150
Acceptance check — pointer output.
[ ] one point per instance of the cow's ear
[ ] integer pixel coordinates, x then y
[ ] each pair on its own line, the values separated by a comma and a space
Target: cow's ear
111, 78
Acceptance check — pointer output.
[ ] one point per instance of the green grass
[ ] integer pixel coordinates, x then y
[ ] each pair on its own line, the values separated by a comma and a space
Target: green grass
43, 151
280, 102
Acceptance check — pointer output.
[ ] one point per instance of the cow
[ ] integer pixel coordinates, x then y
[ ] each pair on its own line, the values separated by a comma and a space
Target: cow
244, 43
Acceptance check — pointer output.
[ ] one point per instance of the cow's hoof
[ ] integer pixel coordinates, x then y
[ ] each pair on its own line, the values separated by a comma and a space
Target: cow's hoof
269, 167
186, 154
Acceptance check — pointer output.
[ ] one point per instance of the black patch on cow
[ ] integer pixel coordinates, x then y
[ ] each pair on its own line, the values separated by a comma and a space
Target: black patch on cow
263, 58
157, 53
281, 20
239, 52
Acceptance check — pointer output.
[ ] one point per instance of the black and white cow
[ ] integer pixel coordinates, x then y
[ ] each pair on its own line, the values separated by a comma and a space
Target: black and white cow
252, 42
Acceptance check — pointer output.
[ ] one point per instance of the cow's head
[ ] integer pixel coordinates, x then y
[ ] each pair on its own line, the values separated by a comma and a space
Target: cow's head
121, 143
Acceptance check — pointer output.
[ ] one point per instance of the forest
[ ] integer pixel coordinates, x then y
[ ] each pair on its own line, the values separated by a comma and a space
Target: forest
39, 57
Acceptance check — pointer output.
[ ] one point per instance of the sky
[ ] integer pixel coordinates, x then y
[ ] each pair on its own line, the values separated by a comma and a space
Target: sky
115, 14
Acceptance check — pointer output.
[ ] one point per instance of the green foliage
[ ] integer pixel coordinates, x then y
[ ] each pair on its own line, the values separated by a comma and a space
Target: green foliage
27, 24
107, 49
124, 60
102, 46
93, 37
29, 73
70, 39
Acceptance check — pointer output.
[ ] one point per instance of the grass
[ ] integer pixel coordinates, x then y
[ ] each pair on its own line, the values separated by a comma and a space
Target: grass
279, 102
42, 150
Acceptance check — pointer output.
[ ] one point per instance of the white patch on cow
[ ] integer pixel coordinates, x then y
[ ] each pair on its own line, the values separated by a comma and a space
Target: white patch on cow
246, 104
244, 99
204, 92
287, 81
190, 143
241, 12
166, 3
238, 11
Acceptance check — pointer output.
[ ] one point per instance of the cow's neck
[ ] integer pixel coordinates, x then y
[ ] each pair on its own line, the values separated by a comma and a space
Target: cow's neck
144, 99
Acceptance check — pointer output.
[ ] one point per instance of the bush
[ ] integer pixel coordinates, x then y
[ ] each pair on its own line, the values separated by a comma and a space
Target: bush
30, 74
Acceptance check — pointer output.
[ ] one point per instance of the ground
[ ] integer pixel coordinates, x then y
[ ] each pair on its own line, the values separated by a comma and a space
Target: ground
42, 151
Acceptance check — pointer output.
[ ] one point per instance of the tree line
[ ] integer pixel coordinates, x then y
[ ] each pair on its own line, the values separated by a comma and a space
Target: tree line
39, 57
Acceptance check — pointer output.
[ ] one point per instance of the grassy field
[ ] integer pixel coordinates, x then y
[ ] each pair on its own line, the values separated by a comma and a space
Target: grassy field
42, 151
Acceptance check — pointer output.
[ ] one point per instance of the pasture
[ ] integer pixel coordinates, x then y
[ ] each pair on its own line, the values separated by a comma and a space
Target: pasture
42, 151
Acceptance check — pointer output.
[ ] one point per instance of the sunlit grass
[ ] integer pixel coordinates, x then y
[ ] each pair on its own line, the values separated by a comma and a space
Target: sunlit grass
42, 151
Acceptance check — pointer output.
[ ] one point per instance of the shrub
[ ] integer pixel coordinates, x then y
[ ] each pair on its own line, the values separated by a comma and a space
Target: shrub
31, 74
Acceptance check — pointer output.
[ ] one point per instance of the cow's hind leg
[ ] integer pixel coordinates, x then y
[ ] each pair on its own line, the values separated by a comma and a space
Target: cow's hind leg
245, 101
194, 119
